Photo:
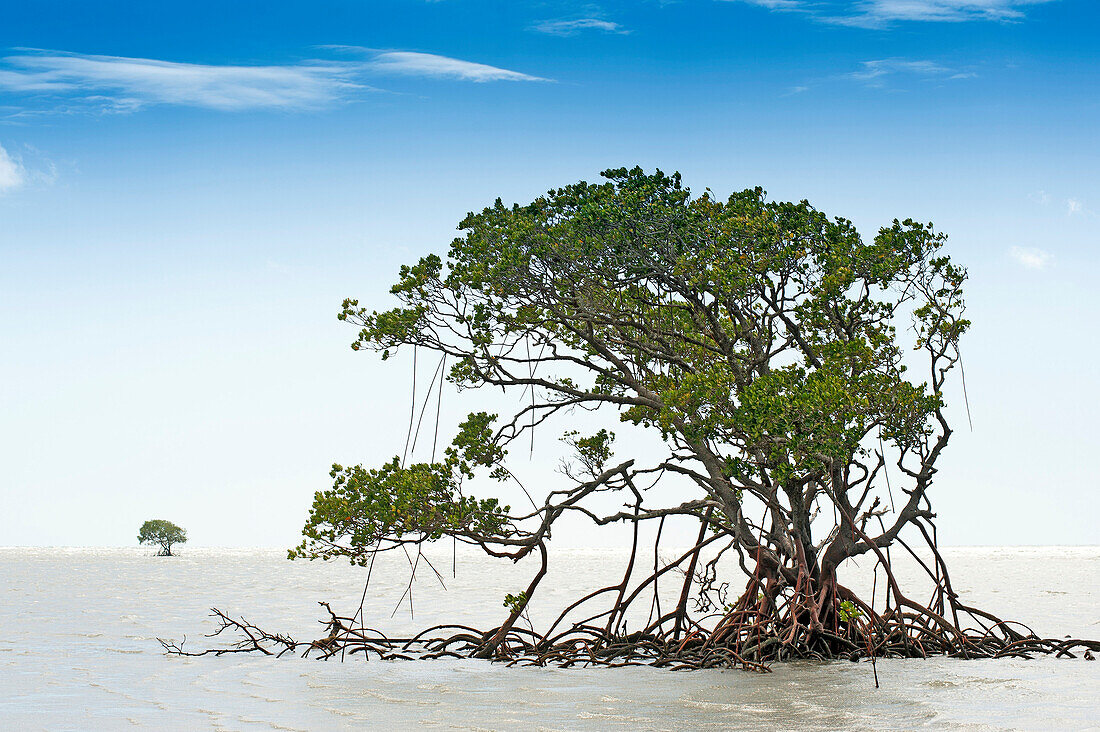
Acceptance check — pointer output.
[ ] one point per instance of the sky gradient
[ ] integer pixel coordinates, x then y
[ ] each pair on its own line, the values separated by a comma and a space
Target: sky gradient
188, 191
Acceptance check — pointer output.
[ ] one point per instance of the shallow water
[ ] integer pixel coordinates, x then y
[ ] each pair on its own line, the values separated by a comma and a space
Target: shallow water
78, 651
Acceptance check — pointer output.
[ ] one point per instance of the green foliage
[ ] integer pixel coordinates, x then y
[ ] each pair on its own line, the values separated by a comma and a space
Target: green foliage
592, 452
515, 602
475, 446
758, 338
421, 502
736, 258
158, 532
849, 611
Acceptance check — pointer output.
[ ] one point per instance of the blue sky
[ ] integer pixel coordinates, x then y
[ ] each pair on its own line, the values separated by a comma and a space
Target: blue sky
188, 191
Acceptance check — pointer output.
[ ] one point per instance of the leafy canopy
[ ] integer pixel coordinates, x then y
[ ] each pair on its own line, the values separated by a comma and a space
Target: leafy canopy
759, 338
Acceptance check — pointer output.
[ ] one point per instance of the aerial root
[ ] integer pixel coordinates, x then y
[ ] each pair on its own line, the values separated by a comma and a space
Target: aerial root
741, 639
776, 618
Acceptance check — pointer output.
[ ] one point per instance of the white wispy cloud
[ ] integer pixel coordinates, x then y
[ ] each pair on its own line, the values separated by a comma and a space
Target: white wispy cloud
877, 72
74, 82
881, 13
882, 67
12, 174
1031, 258
573, 27
125, 84
778, 4
413, 63
1073, 206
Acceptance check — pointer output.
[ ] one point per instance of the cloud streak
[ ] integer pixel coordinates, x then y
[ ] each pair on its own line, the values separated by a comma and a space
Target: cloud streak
124, 84
12, 174
876, 73
121, 84
883, 13
579, 25
412, 63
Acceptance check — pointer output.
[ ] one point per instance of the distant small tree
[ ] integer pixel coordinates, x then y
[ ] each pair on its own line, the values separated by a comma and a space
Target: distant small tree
159, 532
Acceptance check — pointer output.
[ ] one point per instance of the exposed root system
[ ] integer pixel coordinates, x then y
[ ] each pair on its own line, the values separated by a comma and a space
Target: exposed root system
740, 640
768, 623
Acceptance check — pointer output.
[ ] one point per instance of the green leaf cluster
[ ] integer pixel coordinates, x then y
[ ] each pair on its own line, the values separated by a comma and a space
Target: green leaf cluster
515, 602
393, 503
593, 451
849, 611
